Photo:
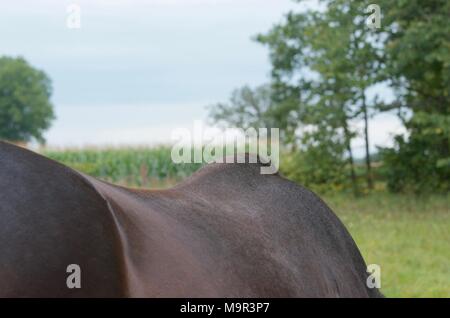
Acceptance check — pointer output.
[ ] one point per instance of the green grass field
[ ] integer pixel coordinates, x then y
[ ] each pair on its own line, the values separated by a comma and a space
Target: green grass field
408, 236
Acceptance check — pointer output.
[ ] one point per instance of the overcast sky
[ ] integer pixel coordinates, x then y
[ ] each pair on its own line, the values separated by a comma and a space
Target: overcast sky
136, 70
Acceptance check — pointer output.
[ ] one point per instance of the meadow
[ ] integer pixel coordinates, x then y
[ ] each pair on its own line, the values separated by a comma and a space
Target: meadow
407, 235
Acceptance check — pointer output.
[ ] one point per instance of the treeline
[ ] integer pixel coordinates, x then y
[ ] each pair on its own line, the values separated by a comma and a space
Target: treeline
326, 64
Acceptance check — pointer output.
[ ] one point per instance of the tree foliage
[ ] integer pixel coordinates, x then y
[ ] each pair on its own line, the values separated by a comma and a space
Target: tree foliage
325, 62
254, 108
25, 107
332, 59
417, 51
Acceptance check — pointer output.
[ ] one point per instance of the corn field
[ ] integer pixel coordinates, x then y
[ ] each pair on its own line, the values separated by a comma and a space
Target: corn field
141, 167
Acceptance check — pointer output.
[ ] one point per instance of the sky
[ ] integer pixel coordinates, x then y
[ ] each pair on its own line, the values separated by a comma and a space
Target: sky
136, 70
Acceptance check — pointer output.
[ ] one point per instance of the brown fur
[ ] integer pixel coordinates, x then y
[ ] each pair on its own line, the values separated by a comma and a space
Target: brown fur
227, 231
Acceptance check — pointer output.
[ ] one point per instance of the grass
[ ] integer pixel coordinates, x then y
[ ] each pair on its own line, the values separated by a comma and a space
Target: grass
409, 237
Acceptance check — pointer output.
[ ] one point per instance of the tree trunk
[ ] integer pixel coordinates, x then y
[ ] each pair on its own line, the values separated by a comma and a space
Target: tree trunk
366, 138
350, 160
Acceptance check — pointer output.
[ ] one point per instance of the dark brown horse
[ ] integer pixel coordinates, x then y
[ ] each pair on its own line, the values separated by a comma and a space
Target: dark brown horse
227, 231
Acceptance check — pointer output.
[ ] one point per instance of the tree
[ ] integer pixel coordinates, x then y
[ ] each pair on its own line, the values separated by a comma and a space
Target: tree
25, 107
332, 58
417, 51
325, 61
254, 108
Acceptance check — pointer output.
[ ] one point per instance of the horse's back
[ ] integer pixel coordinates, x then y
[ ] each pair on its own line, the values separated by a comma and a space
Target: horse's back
227, 231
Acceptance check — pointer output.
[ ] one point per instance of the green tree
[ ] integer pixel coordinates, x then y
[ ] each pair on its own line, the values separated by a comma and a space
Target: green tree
25, 107
417, 54
255, 108
331, 57
325, 61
